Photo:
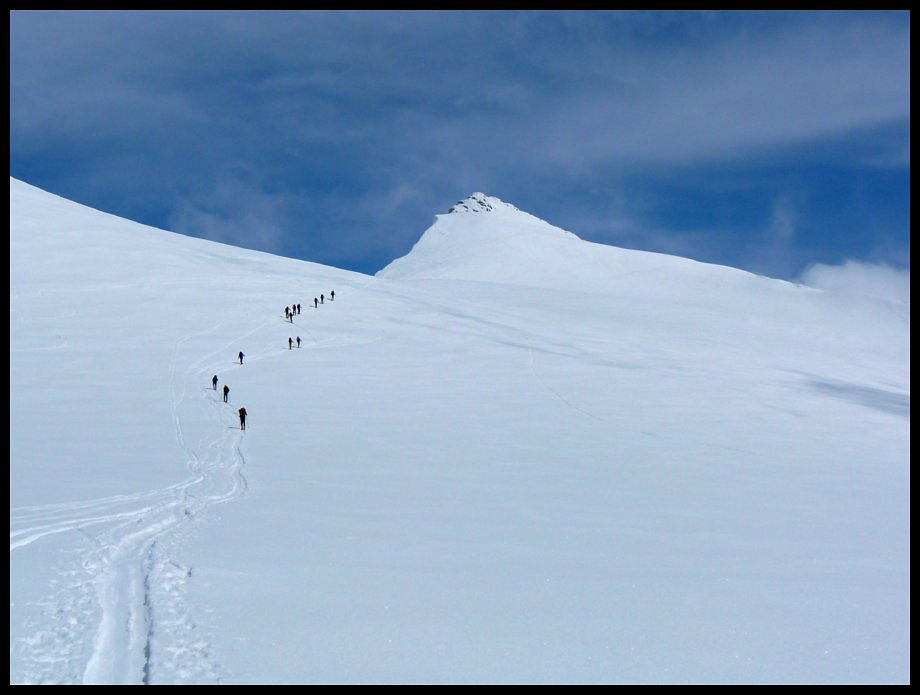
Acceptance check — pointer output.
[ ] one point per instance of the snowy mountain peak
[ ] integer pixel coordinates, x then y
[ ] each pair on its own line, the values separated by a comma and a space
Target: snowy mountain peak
513, 247
480, 202
501, 215
505, 245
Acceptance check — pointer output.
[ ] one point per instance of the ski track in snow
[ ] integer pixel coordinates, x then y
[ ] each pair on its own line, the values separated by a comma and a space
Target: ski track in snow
125, 583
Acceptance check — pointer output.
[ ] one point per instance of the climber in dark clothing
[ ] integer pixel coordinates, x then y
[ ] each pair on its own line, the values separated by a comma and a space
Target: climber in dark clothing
287, 312
290, 343
226, 392
242, 418
298, 341
332, 296
315, 303
298, 309
241, 357
321, 298
214, 382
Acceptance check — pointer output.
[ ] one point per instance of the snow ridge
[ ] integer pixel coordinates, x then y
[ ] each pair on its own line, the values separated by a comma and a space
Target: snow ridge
485, 239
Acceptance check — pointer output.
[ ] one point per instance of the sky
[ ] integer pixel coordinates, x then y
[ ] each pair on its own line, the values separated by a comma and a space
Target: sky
774, 142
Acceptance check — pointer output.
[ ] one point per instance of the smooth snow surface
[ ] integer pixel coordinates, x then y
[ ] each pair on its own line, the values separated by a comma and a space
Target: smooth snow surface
513, 456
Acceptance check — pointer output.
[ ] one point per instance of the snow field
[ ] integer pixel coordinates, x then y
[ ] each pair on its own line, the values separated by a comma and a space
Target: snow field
660, 472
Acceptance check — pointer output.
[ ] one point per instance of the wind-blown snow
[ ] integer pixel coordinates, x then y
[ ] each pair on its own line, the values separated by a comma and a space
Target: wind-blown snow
869, 279
513, 456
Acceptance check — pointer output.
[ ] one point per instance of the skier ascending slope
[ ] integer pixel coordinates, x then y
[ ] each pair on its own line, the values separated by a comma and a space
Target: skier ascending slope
298, 341
321, 299
332, 296
290, 343
241, 357
226, 392
214, 382
315, 303
242, 418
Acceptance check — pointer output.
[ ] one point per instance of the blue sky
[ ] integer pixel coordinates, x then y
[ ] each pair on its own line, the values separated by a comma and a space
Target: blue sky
765, 141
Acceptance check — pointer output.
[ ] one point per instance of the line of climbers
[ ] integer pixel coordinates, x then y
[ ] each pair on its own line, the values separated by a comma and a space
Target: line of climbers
289, 312
294, 310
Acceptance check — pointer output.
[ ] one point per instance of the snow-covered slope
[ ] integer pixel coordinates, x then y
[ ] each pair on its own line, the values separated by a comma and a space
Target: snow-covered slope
485, 239
512, 456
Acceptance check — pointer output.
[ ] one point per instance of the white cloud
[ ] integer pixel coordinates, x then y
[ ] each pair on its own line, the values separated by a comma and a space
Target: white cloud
868, 279
235, 213
782, 221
